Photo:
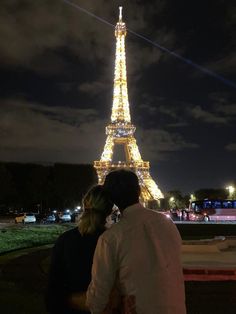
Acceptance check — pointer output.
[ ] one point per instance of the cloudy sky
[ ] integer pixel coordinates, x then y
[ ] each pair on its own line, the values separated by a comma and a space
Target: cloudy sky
57, 65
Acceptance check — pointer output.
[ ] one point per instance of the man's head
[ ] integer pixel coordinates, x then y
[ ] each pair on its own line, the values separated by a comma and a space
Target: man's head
123, 188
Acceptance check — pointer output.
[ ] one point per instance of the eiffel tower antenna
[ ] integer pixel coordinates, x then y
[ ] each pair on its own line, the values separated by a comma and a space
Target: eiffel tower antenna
120, 14
121, 131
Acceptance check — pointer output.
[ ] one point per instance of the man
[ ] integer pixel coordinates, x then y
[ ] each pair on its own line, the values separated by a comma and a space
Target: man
141, 255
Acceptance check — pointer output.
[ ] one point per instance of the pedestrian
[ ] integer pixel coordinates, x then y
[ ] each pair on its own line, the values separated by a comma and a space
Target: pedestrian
140, 255
72, 255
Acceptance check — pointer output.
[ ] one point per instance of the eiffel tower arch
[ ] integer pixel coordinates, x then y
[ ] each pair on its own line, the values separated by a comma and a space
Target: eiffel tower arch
120, 131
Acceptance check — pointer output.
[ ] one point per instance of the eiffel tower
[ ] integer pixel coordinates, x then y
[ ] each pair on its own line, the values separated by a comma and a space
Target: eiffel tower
121, 132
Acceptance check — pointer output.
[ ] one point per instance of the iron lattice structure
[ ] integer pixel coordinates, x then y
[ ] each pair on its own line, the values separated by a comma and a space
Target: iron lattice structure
121, 131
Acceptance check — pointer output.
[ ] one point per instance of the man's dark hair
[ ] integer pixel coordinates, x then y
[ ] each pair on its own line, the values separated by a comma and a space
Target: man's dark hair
123, 188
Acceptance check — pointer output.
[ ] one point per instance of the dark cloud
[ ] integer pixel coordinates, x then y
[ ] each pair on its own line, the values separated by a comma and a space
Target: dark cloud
227, 109
29, 29
224, 65
155, 143
93, 88
199, 113
40, 133
181, 112
231, 147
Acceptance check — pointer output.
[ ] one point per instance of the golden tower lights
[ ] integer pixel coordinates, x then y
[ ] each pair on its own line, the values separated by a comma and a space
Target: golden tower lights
121, 131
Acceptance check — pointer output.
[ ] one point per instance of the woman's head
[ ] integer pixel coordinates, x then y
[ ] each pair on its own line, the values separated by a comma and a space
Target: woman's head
96, 207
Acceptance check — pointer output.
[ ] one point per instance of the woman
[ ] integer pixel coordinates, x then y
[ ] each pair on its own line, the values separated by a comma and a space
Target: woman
72, 256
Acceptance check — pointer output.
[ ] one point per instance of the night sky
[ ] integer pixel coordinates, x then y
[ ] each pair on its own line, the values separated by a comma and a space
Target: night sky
57, 67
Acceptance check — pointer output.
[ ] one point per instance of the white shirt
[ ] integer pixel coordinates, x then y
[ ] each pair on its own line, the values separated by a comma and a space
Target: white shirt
142, 253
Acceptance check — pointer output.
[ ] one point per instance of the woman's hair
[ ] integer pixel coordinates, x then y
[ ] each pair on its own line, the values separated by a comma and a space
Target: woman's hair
96, 207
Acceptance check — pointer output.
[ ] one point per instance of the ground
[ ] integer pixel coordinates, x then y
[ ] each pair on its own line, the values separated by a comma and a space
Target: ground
24, 277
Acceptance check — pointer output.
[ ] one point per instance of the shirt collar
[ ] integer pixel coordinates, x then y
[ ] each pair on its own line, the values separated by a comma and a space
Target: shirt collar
130, 209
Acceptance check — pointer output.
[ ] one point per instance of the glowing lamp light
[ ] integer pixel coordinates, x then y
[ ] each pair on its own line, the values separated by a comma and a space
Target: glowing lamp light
231, 189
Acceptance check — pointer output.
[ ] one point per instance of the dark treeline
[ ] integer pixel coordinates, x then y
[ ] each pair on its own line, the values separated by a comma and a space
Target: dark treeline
40, 187
35, 186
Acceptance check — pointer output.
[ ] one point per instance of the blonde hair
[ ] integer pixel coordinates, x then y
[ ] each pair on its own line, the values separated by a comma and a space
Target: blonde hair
96, 207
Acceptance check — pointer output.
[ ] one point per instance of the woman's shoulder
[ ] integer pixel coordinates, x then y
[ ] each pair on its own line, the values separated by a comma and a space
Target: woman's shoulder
69, 234
75, 233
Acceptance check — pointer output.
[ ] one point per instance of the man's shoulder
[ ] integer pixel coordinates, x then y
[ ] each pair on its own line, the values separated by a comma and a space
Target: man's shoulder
159, 219
159, 214
154, 215
113, 232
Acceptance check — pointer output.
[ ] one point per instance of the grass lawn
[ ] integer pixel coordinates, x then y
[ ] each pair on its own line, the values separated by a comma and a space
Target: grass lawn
19, 237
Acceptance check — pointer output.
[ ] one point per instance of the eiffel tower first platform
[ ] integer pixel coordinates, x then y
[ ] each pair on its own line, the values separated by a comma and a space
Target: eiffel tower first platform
121, 131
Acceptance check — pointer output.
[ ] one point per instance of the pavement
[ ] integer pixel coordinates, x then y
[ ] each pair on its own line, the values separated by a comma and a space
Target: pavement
209, 260
203, 260
23, 277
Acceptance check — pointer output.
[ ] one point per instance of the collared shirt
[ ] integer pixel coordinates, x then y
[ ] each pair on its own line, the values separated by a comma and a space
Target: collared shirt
142, 254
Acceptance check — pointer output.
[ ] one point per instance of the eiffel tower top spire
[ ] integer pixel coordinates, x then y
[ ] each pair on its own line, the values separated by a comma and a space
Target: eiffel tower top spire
120, 14
120, 107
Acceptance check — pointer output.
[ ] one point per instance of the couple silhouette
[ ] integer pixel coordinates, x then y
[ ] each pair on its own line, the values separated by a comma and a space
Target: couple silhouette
134, 267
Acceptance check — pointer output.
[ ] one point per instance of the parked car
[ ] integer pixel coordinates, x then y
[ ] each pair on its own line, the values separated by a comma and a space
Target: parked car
65, 217
29, 218
20, 218
50, 219
75, 217
25, 218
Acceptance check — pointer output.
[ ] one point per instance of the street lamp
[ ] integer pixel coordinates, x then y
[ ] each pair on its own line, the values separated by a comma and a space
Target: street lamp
231, 190
172, 202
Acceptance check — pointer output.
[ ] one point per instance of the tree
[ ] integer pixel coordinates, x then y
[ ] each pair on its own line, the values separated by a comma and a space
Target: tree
39, 186
71, 182
211, 194
7, 190
175, 199
54, 186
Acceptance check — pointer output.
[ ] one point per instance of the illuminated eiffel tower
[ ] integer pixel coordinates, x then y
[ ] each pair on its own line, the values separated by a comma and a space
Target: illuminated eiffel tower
121, 132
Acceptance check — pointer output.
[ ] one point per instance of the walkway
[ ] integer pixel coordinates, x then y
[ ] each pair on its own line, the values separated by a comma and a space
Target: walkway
212, 260
23, 281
